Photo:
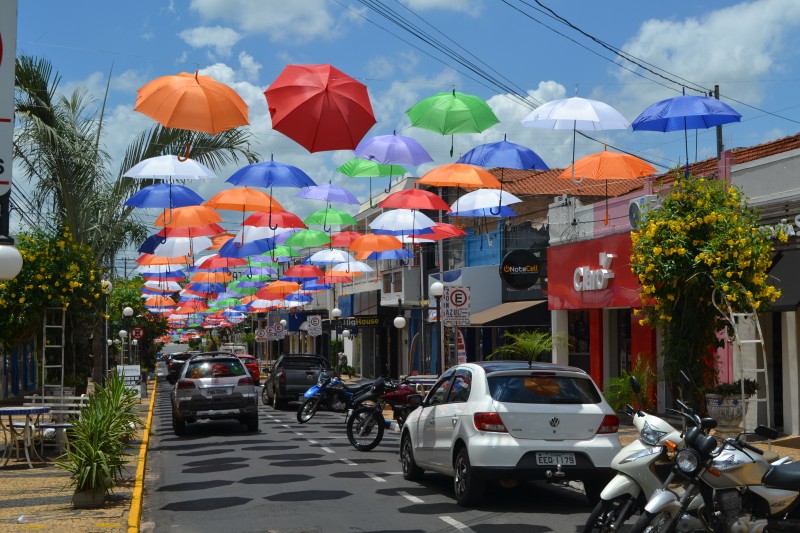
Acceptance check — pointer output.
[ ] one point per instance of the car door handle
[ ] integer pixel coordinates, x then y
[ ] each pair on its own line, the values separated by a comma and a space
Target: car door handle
455, 419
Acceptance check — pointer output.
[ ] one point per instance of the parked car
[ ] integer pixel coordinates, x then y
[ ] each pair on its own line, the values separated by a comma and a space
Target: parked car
213, 385
251, 364
175, 364
511, 421
291, 376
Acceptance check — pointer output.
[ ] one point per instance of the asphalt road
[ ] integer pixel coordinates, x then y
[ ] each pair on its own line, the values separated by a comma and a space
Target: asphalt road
291, 477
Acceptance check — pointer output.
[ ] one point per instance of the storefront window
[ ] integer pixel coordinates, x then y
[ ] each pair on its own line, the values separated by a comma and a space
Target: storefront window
579, 339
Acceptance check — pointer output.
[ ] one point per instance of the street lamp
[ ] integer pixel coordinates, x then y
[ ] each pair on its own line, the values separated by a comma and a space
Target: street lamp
135, 353
10, 258
399, 320
127, 312
437, 290
346, 333
107, 288
122, 335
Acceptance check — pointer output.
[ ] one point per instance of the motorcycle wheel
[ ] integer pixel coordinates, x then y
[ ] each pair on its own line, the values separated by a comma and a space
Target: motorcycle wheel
654, 523
365, 428
605, 514
308, 409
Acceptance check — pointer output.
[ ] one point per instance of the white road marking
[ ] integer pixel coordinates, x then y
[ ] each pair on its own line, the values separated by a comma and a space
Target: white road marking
347, 461
409, 497
376, 477
287, 426
312, 441
298, 434
456, 524
327, 449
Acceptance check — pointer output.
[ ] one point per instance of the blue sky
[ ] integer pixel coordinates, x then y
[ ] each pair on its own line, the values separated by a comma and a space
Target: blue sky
749, 48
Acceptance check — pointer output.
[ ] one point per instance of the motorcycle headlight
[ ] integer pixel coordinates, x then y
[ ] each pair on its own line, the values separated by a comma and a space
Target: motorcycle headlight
687, 461
650, 435
641, 453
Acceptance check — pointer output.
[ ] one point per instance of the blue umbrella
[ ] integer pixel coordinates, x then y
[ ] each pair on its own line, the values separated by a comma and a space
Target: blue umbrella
294, 297
329, 193
164, 196
504, 154
269, 174
233, 248
313, 285
491, 212
683, 113
400, 254
201, 286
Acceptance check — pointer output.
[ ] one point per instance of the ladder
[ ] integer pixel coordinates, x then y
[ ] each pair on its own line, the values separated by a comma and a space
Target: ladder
742, 337
53, 331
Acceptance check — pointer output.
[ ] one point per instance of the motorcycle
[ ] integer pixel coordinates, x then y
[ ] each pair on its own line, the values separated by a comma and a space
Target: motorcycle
366, 425
729, 488
642, 466
329, 393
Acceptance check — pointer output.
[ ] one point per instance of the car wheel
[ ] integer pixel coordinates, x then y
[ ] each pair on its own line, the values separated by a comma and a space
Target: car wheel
252, 422
411, 471
178, 425
469, 490
264, 396
278, 404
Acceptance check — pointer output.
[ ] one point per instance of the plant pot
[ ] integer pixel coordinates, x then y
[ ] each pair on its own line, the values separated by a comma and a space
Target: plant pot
727, 410
88, 499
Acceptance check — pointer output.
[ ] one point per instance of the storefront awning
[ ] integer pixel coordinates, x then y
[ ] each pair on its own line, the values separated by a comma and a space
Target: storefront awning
785, 278
513, 314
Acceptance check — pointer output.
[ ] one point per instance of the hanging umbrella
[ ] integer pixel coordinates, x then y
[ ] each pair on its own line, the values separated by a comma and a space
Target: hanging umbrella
283, 253
308, 238
192, 215
234, 248
354, 266
315, 286
386, 255
452, 112
301, 272
334, 277
329, 216
329, 193
243, 199
174, 246
192, 102
608, 166
486, 212
281, 288
260, 272
683, 113
576, 114
414, 199
203, 230
269, 174
459, 175
329, 256
218, 240
281, 219
398, 221
215, 261
504, 154
164, 195
169, 167
392, 150
488, 199
212, 277
163, 286
364, 168
375, 243
344, 238
319, 107
160, 301
150, 259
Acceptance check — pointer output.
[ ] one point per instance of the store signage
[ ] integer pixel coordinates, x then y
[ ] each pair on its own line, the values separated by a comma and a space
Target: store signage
520, 269
587, 279
363, 321
8, 43
455, 306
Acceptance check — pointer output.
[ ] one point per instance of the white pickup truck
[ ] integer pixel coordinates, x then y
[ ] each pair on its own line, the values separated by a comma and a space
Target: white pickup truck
235, 349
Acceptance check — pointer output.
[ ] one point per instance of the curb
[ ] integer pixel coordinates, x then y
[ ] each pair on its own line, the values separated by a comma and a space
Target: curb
135, 512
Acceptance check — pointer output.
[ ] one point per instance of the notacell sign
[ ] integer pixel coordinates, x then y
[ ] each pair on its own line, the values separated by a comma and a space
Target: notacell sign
519, 269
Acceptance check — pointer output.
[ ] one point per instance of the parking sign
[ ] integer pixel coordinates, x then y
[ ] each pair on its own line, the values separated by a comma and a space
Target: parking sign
455, 306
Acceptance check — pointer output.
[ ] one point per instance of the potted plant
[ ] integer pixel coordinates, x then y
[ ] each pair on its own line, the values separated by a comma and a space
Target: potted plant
725, 402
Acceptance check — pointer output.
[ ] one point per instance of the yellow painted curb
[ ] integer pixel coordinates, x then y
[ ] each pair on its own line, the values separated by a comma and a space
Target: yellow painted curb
135, 512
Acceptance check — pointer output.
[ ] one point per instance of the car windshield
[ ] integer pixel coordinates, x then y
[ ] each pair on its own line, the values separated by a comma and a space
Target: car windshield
543, 389
206, 369
303, 363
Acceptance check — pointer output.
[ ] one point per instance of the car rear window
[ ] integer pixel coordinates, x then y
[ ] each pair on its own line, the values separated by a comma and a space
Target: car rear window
304, 363
206, 369
543, 389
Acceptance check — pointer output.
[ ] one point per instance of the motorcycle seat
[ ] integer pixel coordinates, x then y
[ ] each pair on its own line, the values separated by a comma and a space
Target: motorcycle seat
359, 387
786, 476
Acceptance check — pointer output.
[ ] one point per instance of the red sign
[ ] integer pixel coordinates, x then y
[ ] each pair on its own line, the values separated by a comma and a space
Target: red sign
593, 274
137, 333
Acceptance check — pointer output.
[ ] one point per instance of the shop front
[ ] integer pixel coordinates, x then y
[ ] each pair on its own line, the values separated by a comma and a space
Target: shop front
593, 295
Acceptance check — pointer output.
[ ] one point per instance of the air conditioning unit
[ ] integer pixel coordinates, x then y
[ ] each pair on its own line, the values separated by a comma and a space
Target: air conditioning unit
638, 207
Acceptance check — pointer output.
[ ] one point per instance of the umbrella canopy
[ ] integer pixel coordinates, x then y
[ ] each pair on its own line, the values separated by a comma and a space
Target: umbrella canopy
281, 288
164, 286
576, 113
215, 261
330, 256
160, 301
212, 277
392, 150
490, 199
608, 166
319, 107
504, 154
315, 286
234, 248
269, 174
334, 277
386, 255
164, 196
204, 230
168, 167
281, 219
308, 238
329, 216
401, 221
344, 238
174, 246
329, 193
502, 211
459, 175
244, 199
192, 102
452, 112
441, 230
352, 266
375, 243
185, 217
364, 168
414, 199
218, 240
150, 260
303, 272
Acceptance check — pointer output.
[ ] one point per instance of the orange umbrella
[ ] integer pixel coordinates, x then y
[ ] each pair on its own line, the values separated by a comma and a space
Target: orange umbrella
192, 306
192, 102
277, 288
160, 301
219, 240
375, 243
185, 217
212, 277
150, 259
459, 175
333, 274
244, 199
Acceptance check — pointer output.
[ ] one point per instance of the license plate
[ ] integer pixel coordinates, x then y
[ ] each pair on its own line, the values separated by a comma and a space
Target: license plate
217, 391
553, 459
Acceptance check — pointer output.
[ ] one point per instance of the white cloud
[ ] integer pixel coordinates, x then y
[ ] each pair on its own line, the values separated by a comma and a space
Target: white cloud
470, 7
221, 39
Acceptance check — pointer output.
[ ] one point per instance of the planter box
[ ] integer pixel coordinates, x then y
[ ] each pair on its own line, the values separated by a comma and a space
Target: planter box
727, 410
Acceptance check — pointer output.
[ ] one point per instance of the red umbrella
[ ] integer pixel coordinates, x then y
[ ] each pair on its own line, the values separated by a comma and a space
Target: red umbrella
442, 230
281, 219
344, 239
302, 272
319, 107
414, 199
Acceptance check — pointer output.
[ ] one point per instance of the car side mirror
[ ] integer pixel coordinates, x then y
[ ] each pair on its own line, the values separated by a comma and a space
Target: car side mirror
415, 400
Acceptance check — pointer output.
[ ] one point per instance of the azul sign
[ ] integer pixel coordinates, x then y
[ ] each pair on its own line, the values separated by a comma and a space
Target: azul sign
519, 269
587, 279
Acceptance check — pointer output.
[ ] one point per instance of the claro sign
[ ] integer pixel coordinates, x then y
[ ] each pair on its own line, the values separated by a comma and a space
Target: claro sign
587, 278
519, 269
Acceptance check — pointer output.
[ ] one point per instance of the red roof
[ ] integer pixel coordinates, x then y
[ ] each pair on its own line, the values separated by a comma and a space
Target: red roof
547, 183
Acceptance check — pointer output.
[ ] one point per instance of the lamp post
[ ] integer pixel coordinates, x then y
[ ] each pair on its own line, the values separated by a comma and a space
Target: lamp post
122, 335
118, 343
10, 258
135, 353
107, 288
127, 312
437, 290
335, 314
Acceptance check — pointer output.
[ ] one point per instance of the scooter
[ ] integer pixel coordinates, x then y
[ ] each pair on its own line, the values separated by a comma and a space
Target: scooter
642, 466
331, 393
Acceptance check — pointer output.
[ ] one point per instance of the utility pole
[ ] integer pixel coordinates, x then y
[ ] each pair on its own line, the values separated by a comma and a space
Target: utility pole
720, 145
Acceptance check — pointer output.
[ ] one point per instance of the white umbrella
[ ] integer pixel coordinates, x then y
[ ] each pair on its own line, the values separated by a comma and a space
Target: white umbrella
254, 233
264, 304
398, 221
168, 167
484, 199
173, 286
157, 269
576, 114
330, 256
179, 246
352, 266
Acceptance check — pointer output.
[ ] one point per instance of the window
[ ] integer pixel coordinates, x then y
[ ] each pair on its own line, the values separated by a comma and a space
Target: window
439, 391
543, 389
462, 384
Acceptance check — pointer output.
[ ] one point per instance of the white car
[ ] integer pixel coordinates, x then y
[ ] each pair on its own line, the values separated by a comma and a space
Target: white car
509, 421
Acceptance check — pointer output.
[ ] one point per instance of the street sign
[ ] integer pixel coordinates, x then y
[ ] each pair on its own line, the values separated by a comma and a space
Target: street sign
261, 335
455, 306
314, 325
137, 333
8, 54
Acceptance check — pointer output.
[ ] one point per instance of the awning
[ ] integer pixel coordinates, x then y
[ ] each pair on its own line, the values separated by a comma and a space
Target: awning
784, 277
513, 314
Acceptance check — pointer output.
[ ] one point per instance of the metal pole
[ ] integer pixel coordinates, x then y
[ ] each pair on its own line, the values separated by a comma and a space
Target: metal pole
720, 145
439, 332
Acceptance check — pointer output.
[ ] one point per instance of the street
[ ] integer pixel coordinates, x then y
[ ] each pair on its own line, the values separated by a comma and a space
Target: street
291, 477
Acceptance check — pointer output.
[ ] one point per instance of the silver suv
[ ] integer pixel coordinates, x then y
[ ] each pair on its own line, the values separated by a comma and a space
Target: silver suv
214, 385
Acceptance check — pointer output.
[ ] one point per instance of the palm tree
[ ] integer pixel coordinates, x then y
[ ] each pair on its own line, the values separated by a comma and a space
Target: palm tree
527, 345
58, 146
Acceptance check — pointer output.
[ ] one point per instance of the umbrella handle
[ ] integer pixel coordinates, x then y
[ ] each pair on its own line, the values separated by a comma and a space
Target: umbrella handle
186, 154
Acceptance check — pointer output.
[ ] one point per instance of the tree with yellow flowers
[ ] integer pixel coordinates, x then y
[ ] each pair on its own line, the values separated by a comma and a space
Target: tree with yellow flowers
703, 236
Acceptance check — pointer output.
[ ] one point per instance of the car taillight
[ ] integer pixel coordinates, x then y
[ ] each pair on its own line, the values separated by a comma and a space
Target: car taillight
246, 381
282, 378
186, 384
489, 422
610, 425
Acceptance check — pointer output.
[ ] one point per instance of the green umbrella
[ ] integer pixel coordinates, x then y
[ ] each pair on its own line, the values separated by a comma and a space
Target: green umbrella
327, 217
365, 168
282, 253
308, 238
226, 302
452, 112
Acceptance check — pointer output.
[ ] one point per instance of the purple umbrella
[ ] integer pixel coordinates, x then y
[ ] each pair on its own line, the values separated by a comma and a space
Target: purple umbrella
329, 193
393, 150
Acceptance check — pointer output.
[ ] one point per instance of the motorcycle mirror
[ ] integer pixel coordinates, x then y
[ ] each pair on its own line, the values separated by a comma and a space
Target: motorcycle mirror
635, 387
